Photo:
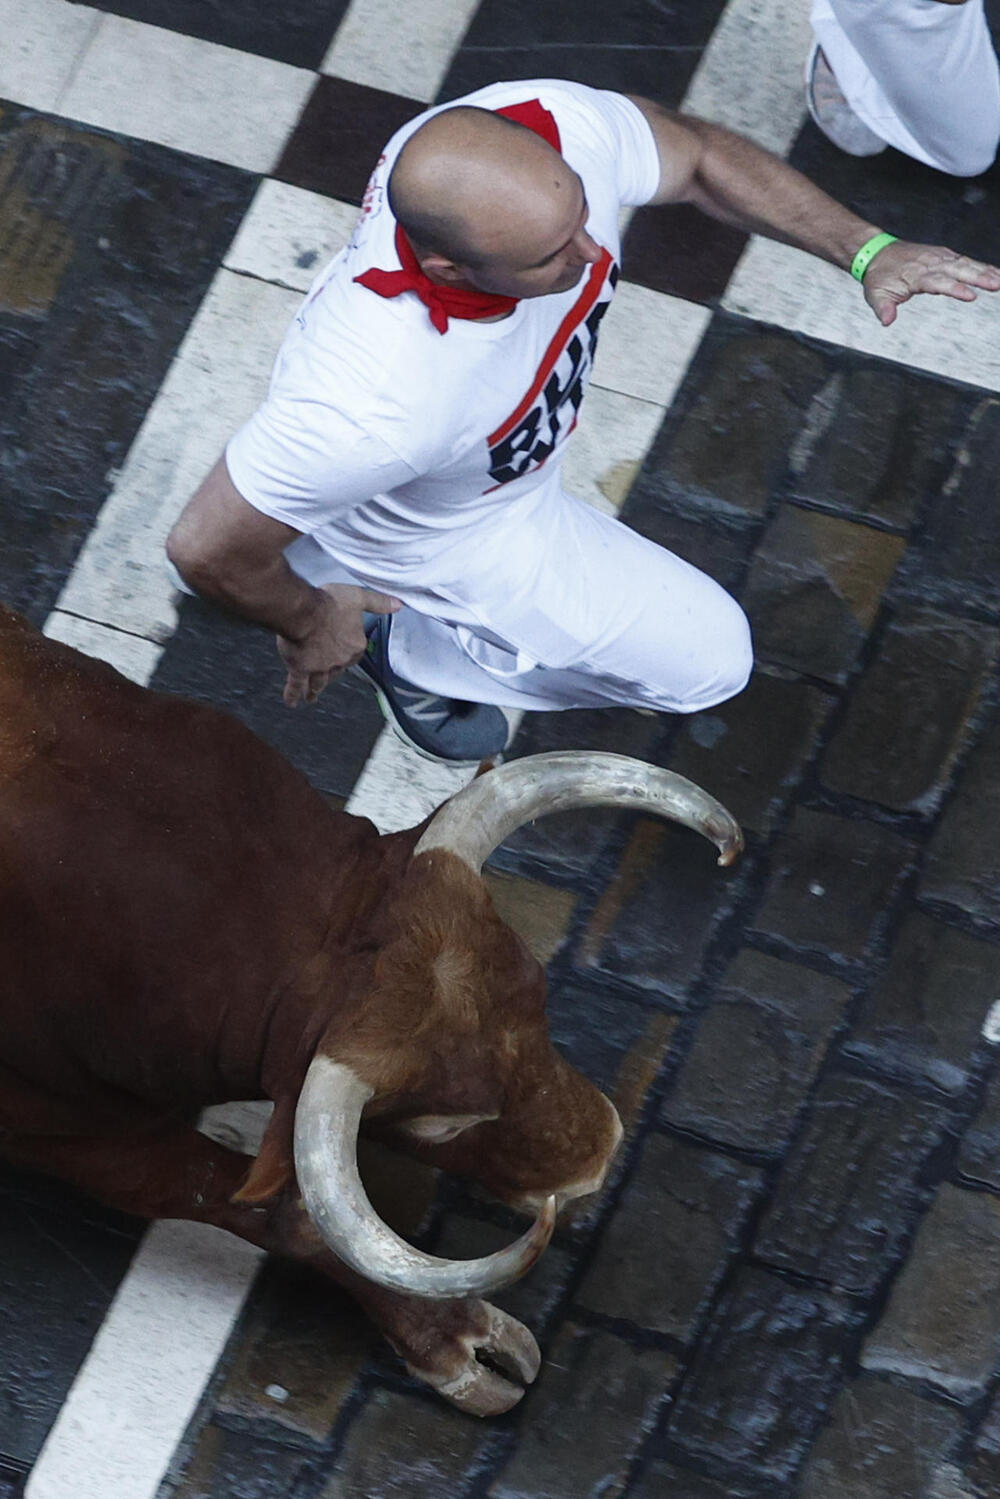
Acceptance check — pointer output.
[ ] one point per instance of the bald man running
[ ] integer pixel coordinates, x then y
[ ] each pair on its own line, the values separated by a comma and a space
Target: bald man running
396, 502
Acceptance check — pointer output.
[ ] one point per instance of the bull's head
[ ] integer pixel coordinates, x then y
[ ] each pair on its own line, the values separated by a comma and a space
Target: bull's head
474, 1082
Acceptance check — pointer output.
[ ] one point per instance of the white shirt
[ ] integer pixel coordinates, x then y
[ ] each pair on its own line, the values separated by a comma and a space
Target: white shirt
386, 440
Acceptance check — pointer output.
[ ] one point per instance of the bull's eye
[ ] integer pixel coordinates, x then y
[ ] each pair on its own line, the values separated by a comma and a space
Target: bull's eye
437, 1129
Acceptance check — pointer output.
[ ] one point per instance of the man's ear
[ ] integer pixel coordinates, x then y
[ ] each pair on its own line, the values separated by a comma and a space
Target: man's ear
436, 1129
442, 270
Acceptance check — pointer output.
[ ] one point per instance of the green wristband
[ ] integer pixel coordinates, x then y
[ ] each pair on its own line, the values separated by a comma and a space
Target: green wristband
867, 253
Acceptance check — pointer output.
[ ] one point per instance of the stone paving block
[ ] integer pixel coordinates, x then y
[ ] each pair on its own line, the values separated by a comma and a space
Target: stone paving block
235, 666
238, 1465
963, 861
108, 247
540, 914
655, 919
942, 1323
671, 1238
534, 1298
566, 845
756, 1052
830, 883
985, 1465
406, 1447
909, 717
596, 1400
763, 1374
876, 442
61, 1258
979, 1159
299, 1351
727, 450
960, 545
846, 1198
882, 1442
673, 249
925, 1014
11, 1484
663, 1480
750, 751
814, 589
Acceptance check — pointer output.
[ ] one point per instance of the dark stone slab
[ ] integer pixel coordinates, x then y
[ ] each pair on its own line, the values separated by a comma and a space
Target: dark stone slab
299, 1350
877, 441
763, 1374
678, 250
235, 666
882, 1442
532, 1300
960, 543
725, 446
238, 1465
596, 1399
11, 1483
297, 31
985, 1467
671, 1238
927, 206
718, 550
404, 1446
750, 752
339, 137
979, 1159
831, 881
963, 864
108, 247
756, 1052
926, 1013
565, 847
815, 586
847, 1196
942, 1323
661, 1480
641, 47
61, 1259
655, 921
909, 717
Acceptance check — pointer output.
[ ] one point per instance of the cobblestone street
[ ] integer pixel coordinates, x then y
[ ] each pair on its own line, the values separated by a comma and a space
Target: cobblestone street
790, 1286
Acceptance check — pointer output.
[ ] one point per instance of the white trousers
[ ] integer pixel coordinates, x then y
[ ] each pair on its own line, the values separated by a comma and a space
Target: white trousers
920, 73
567, 609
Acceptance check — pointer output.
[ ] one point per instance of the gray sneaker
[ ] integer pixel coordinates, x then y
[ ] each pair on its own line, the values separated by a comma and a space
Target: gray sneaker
439, 728
833, 114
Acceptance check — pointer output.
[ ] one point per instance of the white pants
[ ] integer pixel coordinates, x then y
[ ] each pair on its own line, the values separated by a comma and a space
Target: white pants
567, 609
922, 74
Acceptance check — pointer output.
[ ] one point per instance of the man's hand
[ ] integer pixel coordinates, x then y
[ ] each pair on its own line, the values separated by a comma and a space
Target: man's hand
334, 640
902, 270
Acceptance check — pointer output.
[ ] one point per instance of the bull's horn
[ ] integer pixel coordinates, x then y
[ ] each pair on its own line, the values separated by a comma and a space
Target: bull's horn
327, 1120
480, 816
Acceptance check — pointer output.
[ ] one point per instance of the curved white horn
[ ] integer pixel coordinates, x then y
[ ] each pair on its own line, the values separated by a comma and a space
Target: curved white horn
326, 1132
484, 813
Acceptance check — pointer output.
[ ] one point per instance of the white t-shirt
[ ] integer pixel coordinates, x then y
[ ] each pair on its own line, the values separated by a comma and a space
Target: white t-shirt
386, 440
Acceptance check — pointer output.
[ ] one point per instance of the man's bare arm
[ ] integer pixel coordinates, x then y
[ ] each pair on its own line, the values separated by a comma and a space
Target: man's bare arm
732, 180
230, 552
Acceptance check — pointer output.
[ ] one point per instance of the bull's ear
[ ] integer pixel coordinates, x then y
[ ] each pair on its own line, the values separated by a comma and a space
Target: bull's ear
274, 1166
435, 1129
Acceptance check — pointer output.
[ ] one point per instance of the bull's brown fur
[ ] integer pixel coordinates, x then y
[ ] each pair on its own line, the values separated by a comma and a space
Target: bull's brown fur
185, 921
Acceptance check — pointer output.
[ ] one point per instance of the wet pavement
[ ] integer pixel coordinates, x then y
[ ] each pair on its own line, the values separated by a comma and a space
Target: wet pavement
791, 1286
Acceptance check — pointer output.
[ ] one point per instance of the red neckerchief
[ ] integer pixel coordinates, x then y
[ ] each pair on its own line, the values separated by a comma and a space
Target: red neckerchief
444, 302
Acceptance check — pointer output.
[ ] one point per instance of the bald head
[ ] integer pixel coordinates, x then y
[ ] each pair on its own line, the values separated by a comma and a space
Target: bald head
480, 189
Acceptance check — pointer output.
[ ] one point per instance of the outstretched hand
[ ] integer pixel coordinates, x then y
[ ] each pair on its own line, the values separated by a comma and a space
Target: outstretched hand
902, 270
335, 640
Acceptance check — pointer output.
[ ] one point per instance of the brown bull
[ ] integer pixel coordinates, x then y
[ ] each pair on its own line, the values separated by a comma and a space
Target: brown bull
184, 921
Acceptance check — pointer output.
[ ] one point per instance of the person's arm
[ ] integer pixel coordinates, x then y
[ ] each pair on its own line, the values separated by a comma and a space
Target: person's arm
232, 553
731, 179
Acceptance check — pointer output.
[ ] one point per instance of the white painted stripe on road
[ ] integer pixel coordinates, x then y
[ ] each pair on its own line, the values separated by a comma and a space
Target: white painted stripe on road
189, 94
750, 76
141, 1382
403, 49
